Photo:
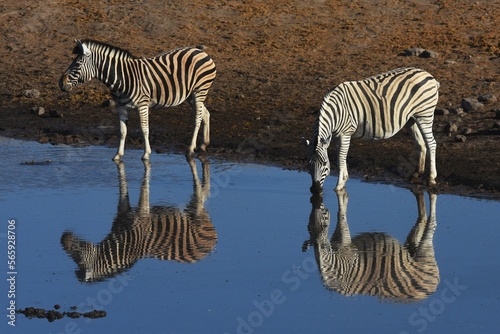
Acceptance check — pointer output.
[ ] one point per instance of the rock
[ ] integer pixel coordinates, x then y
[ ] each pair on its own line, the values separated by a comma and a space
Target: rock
487, 98
32, 93
450, 128
108, 103
450, 62
39, 111
419, 52
441, 112
471, 104
43, 139
416, 52
56, 113
459, 111
460, 138
497, 114
467, 130
428, 54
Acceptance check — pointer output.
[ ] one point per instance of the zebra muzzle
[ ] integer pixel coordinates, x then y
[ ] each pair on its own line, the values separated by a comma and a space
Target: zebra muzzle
63, 83
316, 188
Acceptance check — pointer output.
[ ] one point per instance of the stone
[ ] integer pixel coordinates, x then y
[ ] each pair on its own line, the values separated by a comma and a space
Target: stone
56, 113
419, 52
428, 54
450, 128
32, 93
416, 52
460, 138
39, 111
467, 130
441, 112
471, 104
108, 103
487, 98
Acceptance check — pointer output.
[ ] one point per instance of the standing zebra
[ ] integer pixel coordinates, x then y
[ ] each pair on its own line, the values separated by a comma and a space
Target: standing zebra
140, 83
161, 232
374, 108
375, 263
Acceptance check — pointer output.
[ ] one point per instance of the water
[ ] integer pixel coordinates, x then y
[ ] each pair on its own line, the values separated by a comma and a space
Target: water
250, 266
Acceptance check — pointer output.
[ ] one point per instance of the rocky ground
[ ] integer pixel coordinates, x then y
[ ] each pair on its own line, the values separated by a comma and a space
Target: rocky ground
275, 60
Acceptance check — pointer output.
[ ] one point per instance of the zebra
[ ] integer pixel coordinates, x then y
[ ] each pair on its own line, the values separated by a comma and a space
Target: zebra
374, 108
184, 74
375, 263
161, 232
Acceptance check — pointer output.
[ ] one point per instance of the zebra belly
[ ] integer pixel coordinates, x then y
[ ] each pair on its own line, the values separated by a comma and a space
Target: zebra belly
368, 131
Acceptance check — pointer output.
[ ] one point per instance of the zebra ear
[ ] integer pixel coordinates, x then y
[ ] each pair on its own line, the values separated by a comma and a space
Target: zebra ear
82, 48
85, 49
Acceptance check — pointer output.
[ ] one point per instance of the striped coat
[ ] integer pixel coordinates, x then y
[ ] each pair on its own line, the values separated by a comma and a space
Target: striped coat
160, 232
375, 264
372, 109
184, 74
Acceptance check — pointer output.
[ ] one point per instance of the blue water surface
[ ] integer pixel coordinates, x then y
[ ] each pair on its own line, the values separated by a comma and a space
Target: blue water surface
260, 276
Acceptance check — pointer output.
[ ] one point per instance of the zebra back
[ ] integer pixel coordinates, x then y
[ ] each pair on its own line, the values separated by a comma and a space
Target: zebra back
162, 81
161, 232
377, 107
377, 264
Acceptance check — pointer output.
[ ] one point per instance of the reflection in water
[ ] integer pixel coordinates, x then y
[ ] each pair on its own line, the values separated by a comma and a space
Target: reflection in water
161, 232
375, 264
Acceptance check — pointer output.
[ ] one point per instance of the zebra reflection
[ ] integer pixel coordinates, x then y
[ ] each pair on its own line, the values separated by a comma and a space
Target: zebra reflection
161, 232
375, 264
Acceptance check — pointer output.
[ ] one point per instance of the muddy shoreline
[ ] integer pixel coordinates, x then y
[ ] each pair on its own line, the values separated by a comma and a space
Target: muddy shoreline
387, 162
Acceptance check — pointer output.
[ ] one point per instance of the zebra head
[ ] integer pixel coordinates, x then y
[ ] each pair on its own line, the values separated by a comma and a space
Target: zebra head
319, 165
80, 70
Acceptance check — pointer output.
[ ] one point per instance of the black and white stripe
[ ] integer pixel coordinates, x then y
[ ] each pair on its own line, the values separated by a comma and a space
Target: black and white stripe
374, 108
161, 232
375, 263
142, 83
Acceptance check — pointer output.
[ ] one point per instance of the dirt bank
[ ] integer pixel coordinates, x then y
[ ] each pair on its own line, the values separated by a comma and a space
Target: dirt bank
275, 62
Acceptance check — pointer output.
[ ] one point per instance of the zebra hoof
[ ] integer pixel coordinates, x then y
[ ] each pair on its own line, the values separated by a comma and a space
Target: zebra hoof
432, 183
203, 148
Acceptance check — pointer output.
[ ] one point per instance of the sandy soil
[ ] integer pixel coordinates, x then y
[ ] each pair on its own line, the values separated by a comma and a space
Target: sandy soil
275, 60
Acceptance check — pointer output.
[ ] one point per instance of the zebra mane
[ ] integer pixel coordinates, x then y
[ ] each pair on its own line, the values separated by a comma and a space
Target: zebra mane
96, 45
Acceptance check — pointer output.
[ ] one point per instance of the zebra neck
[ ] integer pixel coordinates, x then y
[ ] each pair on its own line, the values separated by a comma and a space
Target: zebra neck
113, 68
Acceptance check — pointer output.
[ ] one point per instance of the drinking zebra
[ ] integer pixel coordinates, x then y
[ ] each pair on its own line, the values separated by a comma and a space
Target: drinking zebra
142, 83
374, 108
375, 264
161, 232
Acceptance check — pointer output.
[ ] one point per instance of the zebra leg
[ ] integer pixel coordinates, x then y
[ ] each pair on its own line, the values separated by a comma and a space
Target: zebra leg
123, 117
341, 235
426, 131
431, 144
197, 107
419, 140
420, 239
144, 119
144, 208
206, 129
123, 202
343, 143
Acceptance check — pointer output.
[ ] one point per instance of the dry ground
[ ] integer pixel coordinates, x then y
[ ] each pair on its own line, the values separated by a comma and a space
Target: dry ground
275, 61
